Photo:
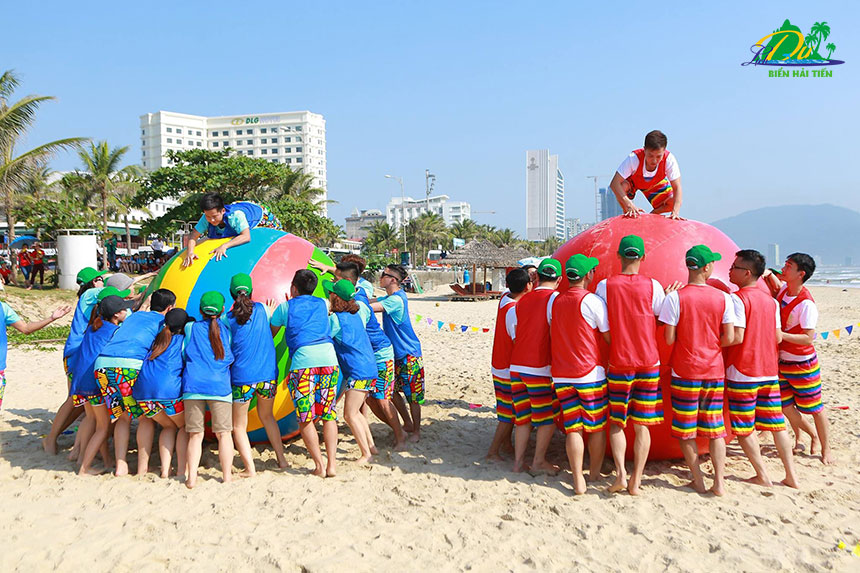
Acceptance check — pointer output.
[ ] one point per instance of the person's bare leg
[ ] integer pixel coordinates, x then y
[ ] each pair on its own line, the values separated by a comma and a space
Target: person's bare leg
521, 444
181, 448
752, 450
240, 438
352, 413
312, 443
400, 406
102, 428
783, 446
618, 445
195, 450
85, 433
415, 410
385, 411
330, 439
691, 457
596, 453
121, 432
145, 433
166, 442
542, 440
822, 427
641, 448
265, 409
500, 437
798, 425
717, 448
575, 447
66, 415
366, 423
225, 456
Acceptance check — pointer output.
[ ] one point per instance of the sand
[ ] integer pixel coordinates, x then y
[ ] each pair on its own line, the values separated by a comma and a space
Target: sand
439, 506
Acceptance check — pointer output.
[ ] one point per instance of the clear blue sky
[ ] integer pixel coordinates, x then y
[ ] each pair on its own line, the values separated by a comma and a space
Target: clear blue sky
464, 89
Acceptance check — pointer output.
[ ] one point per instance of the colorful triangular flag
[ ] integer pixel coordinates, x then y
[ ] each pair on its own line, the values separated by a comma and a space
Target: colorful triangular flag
849, 328
837, 332
475, 329
486, 330
463, 328
418, 318
824, 335
452, 326
429, 321
439, 325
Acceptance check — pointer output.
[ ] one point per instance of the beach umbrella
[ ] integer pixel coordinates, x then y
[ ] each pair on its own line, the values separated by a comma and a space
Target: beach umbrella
19, 241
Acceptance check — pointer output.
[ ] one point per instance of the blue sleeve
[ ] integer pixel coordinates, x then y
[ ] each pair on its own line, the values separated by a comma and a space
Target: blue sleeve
334, 326
238, 221
279, 317
11, 316
185, 339
393, 307
202, 226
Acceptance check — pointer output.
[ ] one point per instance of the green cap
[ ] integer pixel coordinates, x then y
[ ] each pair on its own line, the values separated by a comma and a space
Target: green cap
579, 265
112, 291
240, 283
700, 255
631, 247
87, 274
549, 269
212, 303
342, 288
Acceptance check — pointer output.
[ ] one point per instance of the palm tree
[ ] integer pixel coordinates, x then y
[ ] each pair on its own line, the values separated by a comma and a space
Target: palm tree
299, 185
425, 231
821, 31
830, 47
381, 236
102, 176
505, 238
15, 119
466, 229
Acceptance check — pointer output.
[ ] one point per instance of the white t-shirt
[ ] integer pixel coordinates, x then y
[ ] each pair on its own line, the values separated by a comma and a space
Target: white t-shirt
806, 315
657, 294
157, 245
593, 310
671, 311
629, 166
733, 373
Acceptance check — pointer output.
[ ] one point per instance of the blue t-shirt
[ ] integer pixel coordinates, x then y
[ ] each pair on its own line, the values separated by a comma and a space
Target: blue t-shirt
161, 379
80, 319
83, 379
253, 349
236, 221
11, 317
204, 374
310, 356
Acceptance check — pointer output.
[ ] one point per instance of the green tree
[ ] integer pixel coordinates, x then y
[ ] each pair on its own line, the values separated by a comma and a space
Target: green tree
821, 31
423, 233
830, 47
16, 117
467, 229
48, 216
505, 238
299, 185
382, 238
122, 201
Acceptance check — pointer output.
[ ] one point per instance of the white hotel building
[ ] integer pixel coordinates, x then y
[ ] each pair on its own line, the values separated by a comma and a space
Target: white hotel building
544, 196
400, 211
295, 138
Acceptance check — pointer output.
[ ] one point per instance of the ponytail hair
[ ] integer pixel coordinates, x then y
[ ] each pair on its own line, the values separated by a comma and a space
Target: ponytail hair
243, 306
85, 287
215, 336
96, 321
95, 315
162, 341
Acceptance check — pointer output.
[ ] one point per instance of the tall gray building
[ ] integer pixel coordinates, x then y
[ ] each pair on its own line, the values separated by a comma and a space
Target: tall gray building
358, 224
544, 196
609, 206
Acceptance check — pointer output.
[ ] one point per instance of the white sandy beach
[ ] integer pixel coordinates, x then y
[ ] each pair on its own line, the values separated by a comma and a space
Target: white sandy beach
439, 506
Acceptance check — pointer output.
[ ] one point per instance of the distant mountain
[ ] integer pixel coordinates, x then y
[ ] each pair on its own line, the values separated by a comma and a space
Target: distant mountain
828, 233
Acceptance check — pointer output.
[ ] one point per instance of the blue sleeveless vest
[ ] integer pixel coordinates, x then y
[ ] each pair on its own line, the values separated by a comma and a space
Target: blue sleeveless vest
161, 379
378, 340
83, 310
402, 336
203, 374
253, 349
253, 212
354, 352
136, 336
307, 322
83, 379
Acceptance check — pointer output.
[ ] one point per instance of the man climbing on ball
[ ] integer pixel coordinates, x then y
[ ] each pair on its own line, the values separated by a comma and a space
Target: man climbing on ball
654, 171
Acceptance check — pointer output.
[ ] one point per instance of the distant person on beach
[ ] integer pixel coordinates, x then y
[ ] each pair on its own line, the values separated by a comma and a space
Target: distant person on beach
652, 170
633, 304
157, 247
752, 368
24, 262
110, 245
534, 400
799, 373
37, 262
699, 323
518, 284
232, 221
6, 272
577, 322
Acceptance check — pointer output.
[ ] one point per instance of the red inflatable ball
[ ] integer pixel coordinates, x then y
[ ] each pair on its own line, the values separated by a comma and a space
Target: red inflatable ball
666, 242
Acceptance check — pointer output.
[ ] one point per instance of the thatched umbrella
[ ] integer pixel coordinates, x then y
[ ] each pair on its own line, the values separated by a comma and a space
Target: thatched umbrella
480, 252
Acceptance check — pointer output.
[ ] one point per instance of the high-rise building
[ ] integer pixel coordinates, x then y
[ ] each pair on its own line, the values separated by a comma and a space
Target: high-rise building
295, 138
609, 206
573, 227
773, 259
401, 211
358, 224
544, 196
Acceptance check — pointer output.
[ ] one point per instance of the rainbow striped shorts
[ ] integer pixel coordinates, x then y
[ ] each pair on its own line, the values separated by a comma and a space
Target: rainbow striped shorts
504, 401
636, 395
541, 398
754, 405
697, 409
800, 384
520, 404
584, 406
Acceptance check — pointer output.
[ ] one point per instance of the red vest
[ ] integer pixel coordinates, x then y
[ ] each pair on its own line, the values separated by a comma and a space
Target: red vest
785, 310
696, 354
502, 342
575, 349
638, 178
531, 346
631, 322
757, 356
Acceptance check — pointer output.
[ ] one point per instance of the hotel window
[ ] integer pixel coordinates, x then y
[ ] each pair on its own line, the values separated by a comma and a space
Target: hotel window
264, 141
178, 130
298, 128
299, 139
250, 152
214, 144
214, 134
225, 143
298, 149
143, 152
198, 134
288, 139
238, 132
199, 144
288, 160
298, 159
178, 142
169, 140
249, 131
264, 152
288, 150
143, 132
250, 142
274, 151
262, 130
169, 130
273, 160
274, 140
144, 163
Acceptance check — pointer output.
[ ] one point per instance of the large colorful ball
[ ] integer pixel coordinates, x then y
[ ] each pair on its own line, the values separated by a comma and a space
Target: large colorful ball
666, 242
271, 258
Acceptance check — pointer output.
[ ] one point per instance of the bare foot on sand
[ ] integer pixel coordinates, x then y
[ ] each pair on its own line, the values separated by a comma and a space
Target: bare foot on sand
414, 437
373, 450
50, 446
620, 484
520, 467
364, 460
191, 482
718, 490
633, 487
790, 483
494, 457
319, 472
579, 485
400, 446
763, 481
699, 487
331, 471
92, 472
507, 448
545, 468
247, 473
121, 468
826, 457
283, 465
74, 454
816, 445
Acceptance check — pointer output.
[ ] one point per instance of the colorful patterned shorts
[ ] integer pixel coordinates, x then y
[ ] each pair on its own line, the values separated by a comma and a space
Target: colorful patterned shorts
384, 381
800, 384
245, 392
504, 400
520, 401
116, 384
754, 405
151, 408
78, 400
268, 219
2, 386
584, 406
697, 409
543, 403
657, 194
314, 392
409, 373
365, 385
636, 395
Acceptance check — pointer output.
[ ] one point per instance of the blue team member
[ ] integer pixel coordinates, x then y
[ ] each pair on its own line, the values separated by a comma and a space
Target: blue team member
408, 363
233, 221
254, 371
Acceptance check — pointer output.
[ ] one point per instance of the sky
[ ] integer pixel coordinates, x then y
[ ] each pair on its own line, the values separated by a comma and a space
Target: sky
464, 89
